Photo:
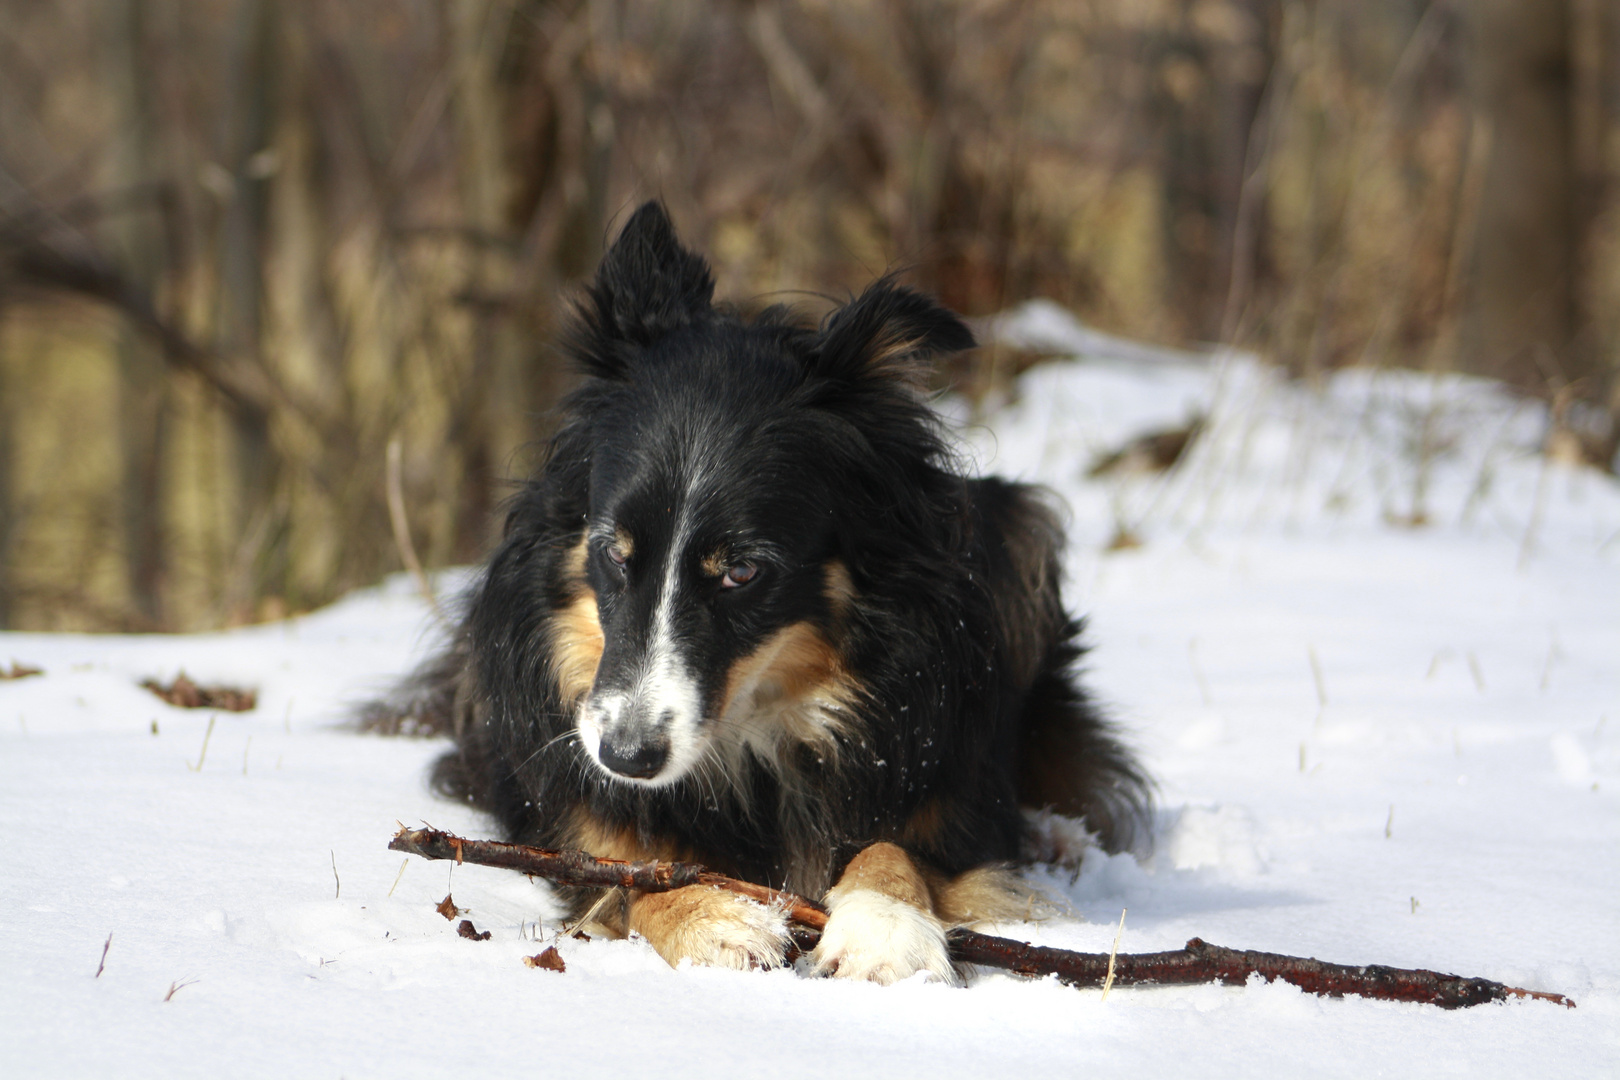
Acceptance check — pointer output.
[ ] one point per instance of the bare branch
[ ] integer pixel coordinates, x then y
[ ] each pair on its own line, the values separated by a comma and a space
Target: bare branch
1198, 962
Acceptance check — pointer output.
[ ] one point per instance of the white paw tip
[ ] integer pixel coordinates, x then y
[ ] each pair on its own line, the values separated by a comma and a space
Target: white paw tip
880, 939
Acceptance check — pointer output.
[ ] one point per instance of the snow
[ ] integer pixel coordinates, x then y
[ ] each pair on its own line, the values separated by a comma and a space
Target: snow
1374, 743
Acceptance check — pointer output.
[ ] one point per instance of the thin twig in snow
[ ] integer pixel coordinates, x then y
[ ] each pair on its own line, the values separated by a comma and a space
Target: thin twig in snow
203, 754
179, 985
1113, 954
398, 876
1321, 683
1538, 507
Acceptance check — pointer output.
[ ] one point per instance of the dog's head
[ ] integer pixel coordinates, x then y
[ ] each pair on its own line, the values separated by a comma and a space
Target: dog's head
734, 469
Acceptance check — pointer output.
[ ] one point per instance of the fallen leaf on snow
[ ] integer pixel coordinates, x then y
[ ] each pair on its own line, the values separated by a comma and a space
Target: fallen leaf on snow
551, 960
185, 694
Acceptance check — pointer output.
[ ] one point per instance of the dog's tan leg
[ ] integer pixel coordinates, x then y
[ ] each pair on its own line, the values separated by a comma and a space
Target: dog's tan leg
986, 894
882, 925
710, 926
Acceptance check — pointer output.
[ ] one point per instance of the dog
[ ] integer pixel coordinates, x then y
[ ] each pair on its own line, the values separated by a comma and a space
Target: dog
750, 613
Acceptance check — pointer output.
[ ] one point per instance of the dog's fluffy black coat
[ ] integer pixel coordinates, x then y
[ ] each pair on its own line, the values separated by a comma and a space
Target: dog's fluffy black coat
895, 663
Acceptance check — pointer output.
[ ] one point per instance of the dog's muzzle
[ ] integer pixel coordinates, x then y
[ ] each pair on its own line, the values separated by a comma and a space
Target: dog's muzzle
637, 757
633, 739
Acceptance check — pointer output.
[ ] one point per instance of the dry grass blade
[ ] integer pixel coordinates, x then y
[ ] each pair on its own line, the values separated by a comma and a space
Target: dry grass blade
401, 525
1113, 955
179, 985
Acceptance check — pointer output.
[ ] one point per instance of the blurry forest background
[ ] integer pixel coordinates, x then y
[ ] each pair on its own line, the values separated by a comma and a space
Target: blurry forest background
245, 246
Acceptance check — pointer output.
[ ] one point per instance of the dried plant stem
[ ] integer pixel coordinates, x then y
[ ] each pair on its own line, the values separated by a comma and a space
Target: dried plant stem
177, 986
402, 530
398, 876
1316, 674
202, 755
1538, 507
1198, 962
1113, 954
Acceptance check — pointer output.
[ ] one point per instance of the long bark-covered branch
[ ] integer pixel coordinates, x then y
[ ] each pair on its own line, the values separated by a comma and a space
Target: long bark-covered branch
1201, 962
588, 871
1198, 962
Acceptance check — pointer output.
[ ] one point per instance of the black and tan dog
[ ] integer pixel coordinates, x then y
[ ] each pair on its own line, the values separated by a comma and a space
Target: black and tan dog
748, 614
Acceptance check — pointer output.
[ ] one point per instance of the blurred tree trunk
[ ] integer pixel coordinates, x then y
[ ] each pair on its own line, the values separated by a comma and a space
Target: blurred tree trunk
242, 251
1520, 311
144, 405
1212, 70
9, 525
1595, 30
477, 33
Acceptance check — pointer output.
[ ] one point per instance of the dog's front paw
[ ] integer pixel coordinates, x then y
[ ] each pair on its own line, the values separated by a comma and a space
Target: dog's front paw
711, 926
871, 935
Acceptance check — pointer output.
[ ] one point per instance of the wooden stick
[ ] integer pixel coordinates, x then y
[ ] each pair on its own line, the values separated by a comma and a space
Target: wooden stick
1198, 962
587, 871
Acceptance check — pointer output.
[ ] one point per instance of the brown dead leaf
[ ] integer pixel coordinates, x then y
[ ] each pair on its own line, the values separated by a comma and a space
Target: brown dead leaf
550, 960
447, 908
470, 932
20, 671
185, 694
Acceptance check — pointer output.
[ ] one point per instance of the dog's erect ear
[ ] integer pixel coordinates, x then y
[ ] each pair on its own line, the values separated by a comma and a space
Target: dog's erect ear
647, 286
888, 334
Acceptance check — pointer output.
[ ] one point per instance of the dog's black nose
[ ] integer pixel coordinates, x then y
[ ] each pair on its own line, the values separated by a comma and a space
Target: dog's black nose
641, 760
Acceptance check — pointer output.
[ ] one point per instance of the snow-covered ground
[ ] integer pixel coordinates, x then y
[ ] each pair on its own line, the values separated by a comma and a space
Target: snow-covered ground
1374, 743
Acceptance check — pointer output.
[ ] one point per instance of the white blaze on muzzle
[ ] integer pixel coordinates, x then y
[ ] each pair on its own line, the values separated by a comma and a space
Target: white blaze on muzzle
651, 731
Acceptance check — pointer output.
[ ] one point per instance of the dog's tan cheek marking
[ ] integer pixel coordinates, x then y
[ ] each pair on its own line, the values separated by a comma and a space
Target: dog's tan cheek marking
576, 632
576, 647
798, 661
885, 868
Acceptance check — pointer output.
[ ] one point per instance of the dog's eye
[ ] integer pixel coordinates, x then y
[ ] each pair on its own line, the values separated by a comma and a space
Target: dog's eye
741, 574
617, 554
